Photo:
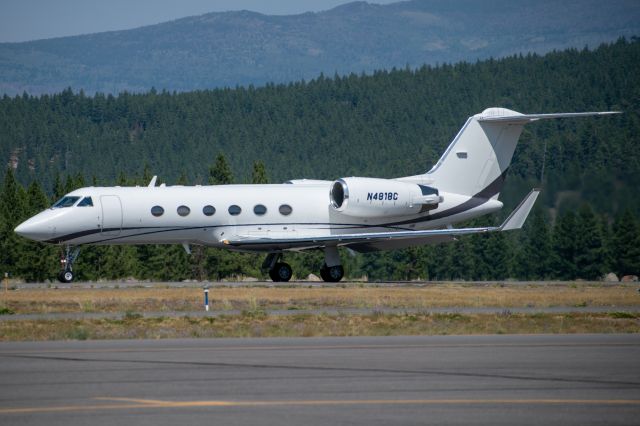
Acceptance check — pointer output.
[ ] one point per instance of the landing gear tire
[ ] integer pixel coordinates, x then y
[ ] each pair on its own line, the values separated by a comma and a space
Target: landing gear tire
332, 274
281, 272
69, 256
65, 276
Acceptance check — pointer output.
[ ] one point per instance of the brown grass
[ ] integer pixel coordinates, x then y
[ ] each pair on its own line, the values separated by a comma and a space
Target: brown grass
243, 298
260, 325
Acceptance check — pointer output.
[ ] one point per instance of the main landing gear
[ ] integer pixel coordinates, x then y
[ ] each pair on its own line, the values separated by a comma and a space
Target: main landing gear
278, 271
69, 255
332, 271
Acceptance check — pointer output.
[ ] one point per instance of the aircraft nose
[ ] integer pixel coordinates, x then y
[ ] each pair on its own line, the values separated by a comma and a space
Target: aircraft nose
32, 230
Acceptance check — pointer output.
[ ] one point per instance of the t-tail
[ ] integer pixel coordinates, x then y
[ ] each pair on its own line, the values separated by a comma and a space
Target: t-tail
476, 162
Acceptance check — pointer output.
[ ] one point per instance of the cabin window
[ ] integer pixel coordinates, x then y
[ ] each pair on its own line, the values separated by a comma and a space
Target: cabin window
86, 202
157, 211
259, 210
285, 209
234, 210
65, 202
184, 210
208, 210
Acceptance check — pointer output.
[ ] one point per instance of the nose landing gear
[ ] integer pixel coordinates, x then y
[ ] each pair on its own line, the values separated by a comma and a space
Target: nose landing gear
69, 255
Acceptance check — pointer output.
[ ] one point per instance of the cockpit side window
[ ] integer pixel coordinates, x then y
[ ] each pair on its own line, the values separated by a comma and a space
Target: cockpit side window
66, 201
86, 202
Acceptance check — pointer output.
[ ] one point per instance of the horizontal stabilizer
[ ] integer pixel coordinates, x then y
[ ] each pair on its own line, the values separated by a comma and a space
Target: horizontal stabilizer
519, 215
527, 118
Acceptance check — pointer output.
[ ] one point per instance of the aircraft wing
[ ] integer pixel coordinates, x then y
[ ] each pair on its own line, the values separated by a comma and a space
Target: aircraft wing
364, 242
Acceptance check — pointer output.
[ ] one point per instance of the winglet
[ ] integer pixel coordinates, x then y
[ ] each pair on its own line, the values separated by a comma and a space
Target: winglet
519, 215
153, 182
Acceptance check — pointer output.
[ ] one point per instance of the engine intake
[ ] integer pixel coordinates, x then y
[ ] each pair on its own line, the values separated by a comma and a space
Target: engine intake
339, 193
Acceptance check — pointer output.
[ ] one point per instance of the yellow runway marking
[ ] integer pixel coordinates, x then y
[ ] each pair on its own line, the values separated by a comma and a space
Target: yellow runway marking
150, 403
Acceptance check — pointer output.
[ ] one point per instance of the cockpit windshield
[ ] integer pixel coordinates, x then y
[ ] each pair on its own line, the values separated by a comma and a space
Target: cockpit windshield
66, 201
86, 202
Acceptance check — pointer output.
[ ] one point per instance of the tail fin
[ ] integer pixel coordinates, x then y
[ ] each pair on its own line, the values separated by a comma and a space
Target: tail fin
476, 162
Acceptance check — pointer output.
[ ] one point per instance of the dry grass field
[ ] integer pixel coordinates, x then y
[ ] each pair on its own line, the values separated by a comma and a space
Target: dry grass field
441, 295
133, 326
254, 302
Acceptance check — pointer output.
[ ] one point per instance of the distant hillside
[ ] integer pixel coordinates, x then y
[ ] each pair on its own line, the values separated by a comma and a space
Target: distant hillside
241, 48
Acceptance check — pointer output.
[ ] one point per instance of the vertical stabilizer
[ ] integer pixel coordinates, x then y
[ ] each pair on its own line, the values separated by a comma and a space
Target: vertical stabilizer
476, 162
479, 156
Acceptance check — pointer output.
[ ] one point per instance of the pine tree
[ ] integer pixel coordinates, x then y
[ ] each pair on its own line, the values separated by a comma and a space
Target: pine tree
589, 248
69, 184
625, 245
220, 173
564, 247
13, 210
533, 261
58, 188
36, 261
146, 175
462, 262
182, 180
259, 173
491, 261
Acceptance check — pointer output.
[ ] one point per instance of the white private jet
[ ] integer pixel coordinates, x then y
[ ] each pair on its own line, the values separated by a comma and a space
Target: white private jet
364, 214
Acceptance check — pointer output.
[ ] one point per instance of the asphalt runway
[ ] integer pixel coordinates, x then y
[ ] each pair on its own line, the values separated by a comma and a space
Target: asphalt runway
508, 379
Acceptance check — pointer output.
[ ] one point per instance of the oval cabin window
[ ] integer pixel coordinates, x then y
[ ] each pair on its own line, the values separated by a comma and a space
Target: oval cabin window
234, 210
157, 211
259, 210
285, 209
208, 210
184, 210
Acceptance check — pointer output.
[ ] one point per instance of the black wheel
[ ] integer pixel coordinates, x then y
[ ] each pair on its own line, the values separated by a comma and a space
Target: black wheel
65, 276
332, 274
281, 272
273, 275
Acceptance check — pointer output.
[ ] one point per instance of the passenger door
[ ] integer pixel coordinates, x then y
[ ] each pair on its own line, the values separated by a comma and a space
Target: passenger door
111, 215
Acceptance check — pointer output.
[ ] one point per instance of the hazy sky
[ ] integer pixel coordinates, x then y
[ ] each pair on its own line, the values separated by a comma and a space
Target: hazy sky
22, 20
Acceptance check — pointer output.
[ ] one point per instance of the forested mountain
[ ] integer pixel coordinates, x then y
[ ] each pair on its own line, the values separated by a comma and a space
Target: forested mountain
392, 123
241, 48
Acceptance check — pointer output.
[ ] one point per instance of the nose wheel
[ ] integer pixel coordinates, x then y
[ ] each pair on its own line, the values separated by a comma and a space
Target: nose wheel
68, 257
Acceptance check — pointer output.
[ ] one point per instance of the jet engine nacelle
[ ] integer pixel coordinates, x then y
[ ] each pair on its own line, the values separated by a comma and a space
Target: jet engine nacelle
370, 197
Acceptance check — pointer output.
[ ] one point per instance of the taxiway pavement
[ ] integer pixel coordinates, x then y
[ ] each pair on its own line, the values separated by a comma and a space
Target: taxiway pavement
507, 379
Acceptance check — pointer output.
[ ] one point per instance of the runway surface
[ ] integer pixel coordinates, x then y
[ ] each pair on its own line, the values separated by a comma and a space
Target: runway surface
508, 379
